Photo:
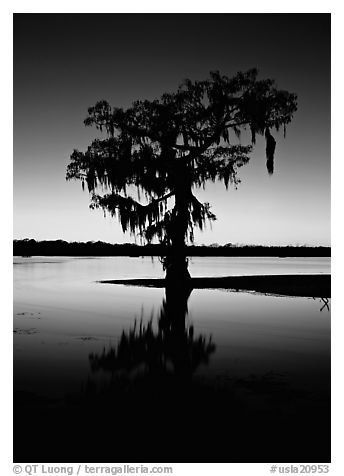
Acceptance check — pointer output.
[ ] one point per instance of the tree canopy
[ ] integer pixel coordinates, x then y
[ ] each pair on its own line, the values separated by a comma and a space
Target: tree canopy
167, 148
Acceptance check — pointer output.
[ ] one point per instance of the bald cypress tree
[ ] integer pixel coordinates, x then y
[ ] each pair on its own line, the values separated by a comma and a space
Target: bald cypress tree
156, 154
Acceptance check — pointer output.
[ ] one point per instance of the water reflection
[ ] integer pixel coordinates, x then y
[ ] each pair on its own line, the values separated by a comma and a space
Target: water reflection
171, 349
154, 386
152, 397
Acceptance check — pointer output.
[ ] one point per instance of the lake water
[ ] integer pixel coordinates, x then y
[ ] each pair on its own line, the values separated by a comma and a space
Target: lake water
63, 316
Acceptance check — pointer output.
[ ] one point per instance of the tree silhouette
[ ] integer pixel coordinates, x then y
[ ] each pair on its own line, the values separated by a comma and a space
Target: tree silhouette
163, 150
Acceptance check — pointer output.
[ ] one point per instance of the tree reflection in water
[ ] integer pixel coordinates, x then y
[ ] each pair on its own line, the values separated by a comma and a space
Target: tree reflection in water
156, 409
188, 417
153, 388
171, 350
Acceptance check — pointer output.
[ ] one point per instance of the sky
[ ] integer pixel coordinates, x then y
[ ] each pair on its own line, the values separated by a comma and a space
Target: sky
63, 64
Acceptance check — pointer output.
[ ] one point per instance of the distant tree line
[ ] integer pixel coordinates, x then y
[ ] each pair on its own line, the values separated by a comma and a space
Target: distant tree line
30, 247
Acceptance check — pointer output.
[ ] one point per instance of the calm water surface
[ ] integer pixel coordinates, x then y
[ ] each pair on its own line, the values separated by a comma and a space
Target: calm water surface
62, 315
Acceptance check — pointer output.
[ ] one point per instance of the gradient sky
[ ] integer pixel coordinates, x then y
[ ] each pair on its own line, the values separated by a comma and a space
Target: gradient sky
65, 63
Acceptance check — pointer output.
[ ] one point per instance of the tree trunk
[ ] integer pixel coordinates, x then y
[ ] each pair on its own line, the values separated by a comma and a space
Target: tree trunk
177, 273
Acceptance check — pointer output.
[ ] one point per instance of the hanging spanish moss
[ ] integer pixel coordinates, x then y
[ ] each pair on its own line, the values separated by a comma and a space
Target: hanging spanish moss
270, 151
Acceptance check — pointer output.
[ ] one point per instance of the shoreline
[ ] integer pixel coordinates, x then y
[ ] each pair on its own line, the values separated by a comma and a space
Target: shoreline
299, 285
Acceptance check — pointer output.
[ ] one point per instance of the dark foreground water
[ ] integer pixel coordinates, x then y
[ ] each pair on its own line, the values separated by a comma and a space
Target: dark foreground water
115, 373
